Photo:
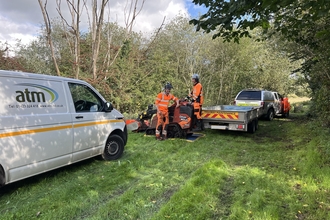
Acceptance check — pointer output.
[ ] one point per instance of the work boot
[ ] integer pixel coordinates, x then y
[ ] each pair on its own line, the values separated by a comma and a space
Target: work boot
164, 137
159, 138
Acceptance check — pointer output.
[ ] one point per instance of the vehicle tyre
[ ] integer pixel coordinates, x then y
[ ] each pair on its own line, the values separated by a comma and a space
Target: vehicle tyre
114, 148
286, 115
170, 134
178, 134
270, 115
150, 131
252, 127
202, 125
256, 123
184, 134
2, 177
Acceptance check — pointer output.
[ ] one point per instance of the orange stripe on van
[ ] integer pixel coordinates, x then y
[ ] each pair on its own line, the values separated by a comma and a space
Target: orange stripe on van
33, 131
15, 133
96, 123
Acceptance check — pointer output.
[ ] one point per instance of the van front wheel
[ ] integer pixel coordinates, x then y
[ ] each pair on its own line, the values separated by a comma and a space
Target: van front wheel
114, 148
2, 177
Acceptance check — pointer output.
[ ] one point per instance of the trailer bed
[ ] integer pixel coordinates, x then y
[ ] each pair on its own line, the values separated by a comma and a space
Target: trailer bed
230, 117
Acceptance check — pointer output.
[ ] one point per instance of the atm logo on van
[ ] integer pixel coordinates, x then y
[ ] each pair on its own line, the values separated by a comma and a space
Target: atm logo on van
36, 96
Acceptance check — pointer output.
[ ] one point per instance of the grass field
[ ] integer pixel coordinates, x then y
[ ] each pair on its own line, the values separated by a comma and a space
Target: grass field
280, 172
295, 99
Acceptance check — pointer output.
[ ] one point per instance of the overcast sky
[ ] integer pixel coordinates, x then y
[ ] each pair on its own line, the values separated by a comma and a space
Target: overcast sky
22, 19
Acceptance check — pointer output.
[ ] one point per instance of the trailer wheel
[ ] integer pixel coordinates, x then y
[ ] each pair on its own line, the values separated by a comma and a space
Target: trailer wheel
252, 127
114, 148
256, 123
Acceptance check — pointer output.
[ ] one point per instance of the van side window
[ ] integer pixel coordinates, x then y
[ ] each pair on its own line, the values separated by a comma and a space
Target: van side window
84, 98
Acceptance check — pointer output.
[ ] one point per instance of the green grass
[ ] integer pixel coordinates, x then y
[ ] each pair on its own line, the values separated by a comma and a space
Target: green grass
280, 172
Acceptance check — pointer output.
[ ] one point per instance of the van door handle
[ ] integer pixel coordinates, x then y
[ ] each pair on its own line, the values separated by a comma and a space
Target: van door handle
78, 117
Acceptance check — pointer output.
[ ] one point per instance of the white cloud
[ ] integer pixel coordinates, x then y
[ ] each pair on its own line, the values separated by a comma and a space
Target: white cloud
22, 19
12, 31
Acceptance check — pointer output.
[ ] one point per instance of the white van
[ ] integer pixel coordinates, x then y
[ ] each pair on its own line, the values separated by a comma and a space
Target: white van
47, 122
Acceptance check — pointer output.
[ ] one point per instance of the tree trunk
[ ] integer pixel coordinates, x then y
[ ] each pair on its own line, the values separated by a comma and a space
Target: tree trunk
49, 31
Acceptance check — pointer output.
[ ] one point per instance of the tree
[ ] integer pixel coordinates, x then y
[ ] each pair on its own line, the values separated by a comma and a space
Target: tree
8, 62
142, 66
235, 19
303, 23
49, 31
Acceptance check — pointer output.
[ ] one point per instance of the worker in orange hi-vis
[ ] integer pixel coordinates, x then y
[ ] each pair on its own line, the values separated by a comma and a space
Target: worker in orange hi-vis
197, 97
162, 102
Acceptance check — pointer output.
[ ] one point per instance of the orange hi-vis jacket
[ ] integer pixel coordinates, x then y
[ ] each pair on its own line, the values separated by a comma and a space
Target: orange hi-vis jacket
197, 93
163, 100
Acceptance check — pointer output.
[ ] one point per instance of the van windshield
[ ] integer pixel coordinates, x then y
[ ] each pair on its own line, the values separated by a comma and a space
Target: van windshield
249, 95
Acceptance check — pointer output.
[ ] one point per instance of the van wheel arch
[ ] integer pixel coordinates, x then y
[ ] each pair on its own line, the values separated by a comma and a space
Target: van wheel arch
2, 176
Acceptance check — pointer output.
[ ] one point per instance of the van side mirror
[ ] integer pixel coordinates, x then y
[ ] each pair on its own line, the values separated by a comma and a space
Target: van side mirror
108, 107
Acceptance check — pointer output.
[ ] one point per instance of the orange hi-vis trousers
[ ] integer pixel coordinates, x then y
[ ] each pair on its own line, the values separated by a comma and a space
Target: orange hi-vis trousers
197, 110
162, 123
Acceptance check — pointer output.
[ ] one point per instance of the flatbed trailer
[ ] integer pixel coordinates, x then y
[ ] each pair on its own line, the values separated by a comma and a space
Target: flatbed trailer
230, 117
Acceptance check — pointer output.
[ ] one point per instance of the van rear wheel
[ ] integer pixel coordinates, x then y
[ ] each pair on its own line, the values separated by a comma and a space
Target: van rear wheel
114, 148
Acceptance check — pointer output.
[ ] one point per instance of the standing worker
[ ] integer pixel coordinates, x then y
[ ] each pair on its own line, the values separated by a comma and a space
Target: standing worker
162, 101
198, 99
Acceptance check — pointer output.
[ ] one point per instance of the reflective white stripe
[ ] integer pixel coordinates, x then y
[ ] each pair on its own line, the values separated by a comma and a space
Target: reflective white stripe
171, 96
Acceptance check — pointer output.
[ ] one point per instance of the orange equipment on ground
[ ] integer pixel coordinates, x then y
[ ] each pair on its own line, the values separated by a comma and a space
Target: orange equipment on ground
181, 120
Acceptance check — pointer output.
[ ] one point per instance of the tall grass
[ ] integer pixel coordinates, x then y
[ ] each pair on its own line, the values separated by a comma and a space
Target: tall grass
279, 172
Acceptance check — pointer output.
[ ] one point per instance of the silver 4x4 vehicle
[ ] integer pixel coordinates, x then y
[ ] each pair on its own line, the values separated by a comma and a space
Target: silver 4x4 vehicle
268, 102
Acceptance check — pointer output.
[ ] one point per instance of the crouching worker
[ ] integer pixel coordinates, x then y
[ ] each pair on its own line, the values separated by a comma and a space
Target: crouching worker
162, 103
